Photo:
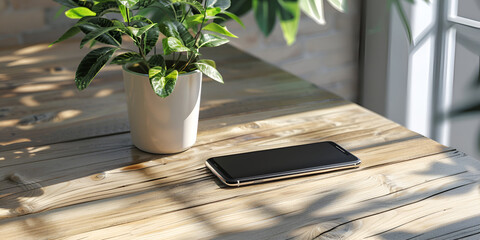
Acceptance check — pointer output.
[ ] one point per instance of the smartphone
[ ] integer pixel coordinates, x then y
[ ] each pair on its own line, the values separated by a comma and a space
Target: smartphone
274, 164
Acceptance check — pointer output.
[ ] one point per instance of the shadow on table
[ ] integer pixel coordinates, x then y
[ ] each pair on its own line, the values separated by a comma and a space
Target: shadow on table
312, 222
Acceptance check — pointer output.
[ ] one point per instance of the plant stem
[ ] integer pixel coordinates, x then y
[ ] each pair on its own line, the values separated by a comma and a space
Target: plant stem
177, 61
185, 16
128, 17
197, 36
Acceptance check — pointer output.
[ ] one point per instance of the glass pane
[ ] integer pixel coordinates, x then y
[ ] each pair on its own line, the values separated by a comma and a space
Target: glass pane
465, 129
469, 9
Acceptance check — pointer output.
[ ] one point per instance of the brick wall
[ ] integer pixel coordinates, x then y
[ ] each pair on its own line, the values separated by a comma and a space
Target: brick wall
326, 55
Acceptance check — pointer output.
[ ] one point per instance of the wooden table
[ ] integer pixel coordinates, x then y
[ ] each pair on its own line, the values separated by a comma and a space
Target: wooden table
68, 168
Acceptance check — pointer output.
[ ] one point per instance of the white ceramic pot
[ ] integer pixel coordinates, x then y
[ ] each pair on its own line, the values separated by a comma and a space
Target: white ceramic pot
163, 125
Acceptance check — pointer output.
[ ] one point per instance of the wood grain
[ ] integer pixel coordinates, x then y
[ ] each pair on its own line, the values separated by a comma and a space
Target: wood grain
79, 177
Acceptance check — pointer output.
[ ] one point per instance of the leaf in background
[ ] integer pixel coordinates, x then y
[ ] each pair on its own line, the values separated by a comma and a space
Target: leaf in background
289, 13
340, 5
210, 40
472, 108
222, 4
208, 68
240, 7
403, 17
478, 79
213, 27
79, 12
97, 33
67, 3
313, 9
59, 12
68, 34
91, 64
128, 3
156, 60
172, 44
163, 85
234, 17
265, 14
128, 57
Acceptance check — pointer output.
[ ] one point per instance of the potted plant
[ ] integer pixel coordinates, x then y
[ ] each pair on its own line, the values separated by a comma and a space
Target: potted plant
162, 89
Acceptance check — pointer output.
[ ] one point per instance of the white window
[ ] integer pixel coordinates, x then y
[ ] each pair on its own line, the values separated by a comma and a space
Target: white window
419, 84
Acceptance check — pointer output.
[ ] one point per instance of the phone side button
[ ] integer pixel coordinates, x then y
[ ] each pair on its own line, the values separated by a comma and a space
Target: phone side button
257, 181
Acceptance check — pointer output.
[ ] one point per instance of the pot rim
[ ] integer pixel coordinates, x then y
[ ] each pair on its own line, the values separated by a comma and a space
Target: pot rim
124, 67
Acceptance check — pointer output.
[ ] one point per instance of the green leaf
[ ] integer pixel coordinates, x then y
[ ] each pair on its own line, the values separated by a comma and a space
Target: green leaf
177, 30
79, 12
222, 4
210, 40
234, 17
213, 11
91, 64
214, 27
209, 62
150, 37
96, 23
289, 13
265, 14
139, 31
144, 4
128, 57
156, 72
340, 5
194, 20
97, 33
128, 3
144, 29
192, 3
123, 11
313, 9
158, 12
103, 8
68, 34
208, 68
172, 44
156, 60
163, 85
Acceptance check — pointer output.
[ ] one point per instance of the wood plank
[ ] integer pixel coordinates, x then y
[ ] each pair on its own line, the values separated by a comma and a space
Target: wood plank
367, 135
200, 209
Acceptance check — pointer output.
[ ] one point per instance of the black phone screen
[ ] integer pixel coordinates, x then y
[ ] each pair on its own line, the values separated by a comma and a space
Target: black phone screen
282, 160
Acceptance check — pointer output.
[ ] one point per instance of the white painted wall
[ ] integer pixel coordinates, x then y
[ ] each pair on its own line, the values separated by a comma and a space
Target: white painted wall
326, 55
